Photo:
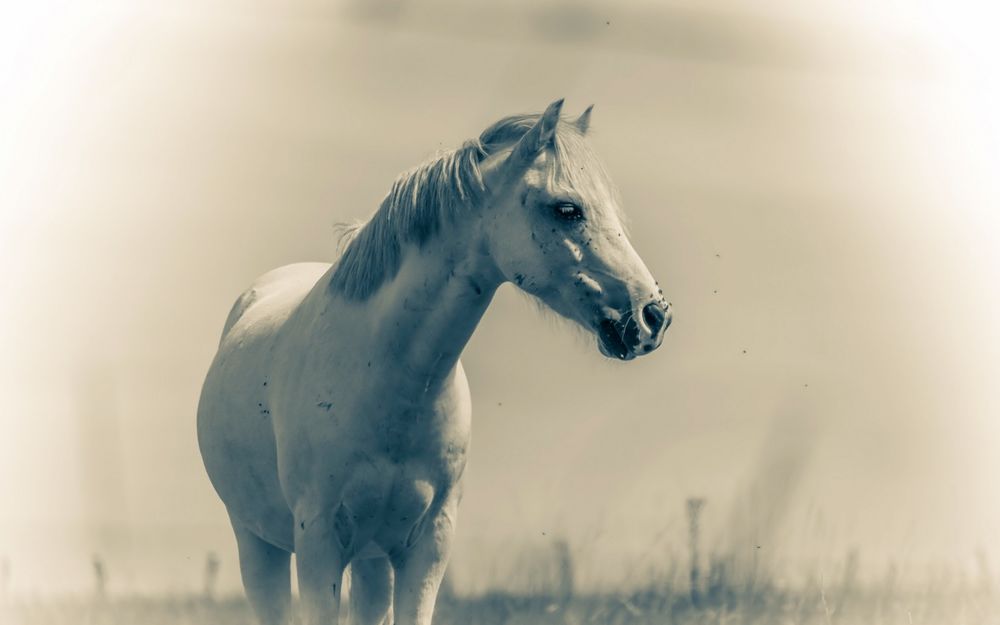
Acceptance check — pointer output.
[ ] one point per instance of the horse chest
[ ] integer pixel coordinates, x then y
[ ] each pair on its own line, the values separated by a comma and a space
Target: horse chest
382, 460
374, 504
386, 508
376, 417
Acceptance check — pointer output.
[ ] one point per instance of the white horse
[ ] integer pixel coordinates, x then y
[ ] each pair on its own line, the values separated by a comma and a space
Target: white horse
334, 421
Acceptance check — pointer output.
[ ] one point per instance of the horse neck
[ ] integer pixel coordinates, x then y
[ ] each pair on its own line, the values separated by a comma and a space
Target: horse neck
422, 319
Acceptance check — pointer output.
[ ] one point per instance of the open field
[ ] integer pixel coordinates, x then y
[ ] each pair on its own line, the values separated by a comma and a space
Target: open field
765, 606
558, 584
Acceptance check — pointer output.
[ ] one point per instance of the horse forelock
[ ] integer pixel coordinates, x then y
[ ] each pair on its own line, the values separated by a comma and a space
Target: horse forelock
436, 192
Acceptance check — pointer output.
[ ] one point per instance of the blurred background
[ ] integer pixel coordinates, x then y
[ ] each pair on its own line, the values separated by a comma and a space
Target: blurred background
814, 185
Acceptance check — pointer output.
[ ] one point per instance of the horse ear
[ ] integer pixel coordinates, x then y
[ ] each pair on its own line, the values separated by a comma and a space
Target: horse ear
538, 138
583, 121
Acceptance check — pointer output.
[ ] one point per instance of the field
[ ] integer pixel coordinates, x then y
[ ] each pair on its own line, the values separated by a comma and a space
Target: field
556, 587
952, 605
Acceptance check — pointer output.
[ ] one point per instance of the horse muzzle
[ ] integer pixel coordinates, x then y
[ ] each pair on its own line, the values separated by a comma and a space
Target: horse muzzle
626, 336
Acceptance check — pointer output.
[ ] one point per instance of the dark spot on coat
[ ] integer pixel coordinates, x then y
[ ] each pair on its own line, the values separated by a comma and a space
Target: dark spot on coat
325, 405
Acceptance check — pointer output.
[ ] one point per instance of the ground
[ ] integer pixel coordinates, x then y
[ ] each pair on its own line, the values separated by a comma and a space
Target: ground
956, 606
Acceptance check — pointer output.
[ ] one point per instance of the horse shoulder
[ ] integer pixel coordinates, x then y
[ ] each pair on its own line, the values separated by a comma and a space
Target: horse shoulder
454, 405
457, 399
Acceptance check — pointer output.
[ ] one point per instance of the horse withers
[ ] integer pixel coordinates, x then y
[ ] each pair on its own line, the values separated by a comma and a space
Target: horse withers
334, 421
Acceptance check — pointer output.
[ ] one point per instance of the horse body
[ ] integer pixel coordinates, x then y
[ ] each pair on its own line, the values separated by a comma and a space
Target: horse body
365, 436
335, 419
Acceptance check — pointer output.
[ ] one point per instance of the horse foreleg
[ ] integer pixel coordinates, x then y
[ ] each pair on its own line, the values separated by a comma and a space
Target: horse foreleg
371, 591
420, 568
266, 576
320, 561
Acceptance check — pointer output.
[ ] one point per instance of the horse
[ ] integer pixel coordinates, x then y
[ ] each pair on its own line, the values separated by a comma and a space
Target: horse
334, 421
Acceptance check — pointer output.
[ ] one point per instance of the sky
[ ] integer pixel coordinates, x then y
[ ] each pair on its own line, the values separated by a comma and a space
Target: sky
814, 189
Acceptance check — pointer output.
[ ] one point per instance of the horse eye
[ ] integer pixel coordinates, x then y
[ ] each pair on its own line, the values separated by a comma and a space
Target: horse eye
568, 211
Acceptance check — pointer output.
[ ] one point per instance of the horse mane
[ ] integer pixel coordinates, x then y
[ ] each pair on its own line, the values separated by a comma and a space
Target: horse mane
419, 202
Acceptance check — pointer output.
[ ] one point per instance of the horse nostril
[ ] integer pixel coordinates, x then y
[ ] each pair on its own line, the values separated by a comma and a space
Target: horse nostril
654, 315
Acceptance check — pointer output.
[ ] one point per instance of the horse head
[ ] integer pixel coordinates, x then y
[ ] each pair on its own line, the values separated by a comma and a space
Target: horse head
555, 228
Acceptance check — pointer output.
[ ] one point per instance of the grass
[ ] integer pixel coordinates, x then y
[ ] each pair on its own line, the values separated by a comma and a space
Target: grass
719, 589
763, 606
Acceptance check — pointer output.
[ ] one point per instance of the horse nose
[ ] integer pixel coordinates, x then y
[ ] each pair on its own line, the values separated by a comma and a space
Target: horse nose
657, 317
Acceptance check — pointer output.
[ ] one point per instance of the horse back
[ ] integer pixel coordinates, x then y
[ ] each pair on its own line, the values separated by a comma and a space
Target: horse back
278, 290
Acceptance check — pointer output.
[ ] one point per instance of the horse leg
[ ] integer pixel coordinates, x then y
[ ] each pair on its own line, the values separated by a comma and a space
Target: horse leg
320, 562
371, 591
266, 576
420, 569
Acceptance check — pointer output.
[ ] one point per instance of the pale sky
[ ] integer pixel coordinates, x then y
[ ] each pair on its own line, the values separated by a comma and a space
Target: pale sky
814, 190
